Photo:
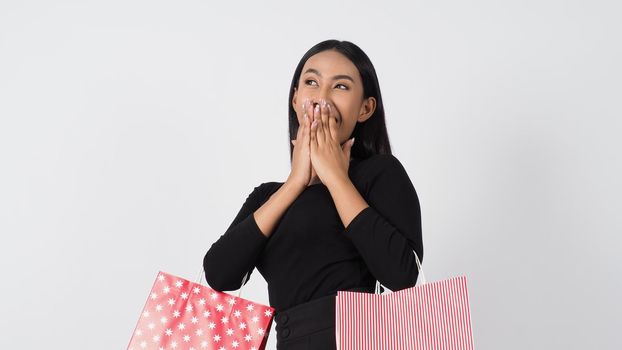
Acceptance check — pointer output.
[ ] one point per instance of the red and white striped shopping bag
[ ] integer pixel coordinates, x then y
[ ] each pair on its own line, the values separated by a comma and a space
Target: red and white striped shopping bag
427, 316
183, 315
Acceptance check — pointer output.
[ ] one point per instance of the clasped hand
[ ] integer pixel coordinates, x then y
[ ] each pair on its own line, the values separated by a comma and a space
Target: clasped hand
320, 129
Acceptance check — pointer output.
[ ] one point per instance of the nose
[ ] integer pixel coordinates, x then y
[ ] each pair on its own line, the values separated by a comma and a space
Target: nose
318, 100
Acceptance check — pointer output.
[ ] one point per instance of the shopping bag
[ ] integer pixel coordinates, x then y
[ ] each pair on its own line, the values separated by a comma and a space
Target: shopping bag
427, 316
183, 315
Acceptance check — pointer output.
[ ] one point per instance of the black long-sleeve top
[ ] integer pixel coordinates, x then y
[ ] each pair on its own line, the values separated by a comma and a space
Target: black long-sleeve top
310, 254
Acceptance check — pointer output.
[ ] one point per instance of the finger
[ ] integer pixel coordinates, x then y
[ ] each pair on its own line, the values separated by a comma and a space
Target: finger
305, 130
305, 107
347, 148
313, 132
332, 125
299, 131
309, 110
320, 137
313, 137
302, 126
325, 126
317, 117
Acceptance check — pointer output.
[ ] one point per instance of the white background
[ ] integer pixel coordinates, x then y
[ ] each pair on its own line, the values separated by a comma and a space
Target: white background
132, 131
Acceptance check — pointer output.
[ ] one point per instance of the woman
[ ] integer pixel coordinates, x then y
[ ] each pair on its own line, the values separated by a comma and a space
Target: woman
347, 214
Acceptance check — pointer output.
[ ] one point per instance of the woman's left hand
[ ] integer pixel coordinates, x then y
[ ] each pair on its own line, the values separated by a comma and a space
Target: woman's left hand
330, 159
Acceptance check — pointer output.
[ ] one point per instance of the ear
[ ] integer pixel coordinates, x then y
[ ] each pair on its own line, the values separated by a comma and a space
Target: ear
367, 109
295, 97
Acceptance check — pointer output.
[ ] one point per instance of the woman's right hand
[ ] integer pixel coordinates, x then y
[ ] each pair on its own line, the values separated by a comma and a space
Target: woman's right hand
301, 156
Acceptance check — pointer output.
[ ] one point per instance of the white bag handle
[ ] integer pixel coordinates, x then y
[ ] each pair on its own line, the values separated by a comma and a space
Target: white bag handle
422, 276
198, 280
201, 271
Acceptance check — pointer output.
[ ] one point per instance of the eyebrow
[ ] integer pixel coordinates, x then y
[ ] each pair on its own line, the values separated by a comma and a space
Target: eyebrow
336, 77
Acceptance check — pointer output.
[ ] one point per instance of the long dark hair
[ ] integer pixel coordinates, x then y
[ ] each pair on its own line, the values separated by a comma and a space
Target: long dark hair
371, 136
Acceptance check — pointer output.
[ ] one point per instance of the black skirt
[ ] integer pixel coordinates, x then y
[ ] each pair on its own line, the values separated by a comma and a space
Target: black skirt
309, 325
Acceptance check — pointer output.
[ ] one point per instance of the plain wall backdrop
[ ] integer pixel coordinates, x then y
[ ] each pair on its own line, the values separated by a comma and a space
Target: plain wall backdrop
132, 131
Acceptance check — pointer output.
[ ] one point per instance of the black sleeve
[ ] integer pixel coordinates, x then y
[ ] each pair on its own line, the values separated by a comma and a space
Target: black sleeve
236, 251
387, 232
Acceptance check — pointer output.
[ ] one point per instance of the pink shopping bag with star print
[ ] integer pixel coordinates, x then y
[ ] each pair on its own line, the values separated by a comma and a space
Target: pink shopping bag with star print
427, 316
183, 315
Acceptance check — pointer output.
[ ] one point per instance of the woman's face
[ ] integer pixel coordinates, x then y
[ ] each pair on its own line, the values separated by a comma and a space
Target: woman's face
331, 76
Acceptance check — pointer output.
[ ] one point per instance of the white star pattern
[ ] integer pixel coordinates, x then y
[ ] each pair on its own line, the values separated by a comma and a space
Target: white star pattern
162, 327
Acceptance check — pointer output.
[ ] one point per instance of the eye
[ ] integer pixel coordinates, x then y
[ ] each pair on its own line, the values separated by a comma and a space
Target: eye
309, 80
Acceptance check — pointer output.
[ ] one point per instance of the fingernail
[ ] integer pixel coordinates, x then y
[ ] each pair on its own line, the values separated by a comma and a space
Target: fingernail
317, 108
352, 142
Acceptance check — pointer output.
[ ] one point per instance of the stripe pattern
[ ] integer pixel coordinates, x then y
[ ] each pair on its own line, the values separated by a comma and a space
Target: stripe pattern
431, 316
